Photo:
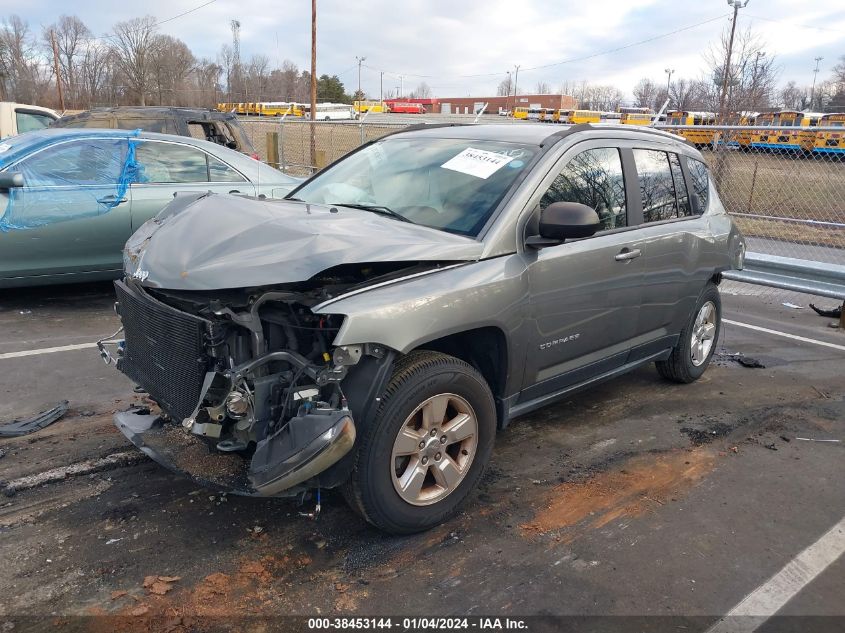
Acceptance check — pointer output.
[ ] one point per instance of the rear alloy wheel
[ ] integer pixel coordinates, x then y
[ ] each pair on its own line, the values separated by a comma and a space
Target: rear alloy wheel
427, 446
694, 349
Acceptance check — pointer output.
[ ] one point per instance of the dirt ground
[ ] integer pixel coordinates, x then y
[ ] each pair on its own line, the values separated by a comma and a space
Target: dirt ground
635, 498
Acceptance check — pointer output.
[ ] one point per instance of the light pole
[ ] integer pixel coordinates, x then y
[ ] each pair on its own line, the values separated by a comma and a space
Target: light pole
669, 72
515, 80
381, 88
815, 74
726, 71
361, 60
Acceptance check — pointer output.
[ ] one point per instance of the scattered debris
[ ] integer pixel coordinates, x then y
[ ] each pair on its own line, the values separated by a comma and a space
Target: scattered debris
820, 392
784, 438
834, 313
2, 453
160, 585
140, 610
792, 305
747, 361
112, 541
16, 428
705, 436
771, 446
811, 439
109, 462
118, 594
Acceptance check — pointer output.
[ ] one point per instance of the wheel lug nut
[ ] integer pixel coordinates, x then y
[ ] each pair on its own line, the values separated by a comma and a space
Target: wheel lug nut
433, 432
437, 457
443, 440
424, 461
422, 444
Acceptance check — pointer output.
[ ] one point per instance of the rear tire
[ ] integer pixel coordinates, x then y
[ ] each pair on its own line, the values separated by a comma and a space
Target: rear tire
427, 446
691, 355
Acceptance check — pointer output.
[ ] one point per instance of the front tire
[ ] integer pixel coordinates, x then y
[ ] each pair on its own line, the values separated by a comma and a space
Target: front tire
427, 446
691, 355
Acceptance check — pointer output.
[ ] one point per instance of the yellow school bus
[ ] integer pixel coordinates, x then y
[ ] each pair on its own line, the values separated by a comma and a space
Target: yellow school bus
829, 142
636, 118
520, 113
581, 116
547, 115
369, 106
694, 135
783, 133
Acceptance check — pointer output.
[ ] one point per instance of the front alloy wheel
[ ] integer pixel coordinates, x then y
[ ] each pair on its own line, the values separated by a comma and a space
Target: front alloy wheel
434, 449
427, 445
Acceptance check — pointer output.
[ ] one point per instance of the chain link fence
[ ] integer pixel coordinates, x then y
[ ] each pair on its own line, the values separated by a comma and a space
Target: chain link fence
785, 187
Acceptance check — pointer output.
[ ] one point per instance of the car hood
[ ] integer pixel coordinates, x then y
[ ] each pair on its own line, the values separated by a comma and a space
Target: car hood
213, 241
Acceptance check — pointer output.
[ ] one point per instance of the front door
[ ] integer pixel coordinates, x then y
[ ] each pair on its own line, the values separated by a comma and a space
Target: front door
585, 294
72, 215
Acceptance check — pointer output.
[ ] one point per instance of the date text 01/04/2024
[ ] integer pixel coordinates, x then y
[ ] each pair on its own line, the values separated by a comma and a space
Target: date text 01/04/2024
417, 623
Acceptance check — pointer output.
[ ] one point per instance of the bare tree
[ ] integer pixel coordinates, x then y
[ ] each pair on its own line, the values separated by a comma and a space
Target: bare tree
542, 88
72, 39
136, 46
751, 78
505, 87
645, 93
24, 75
171, 63
422, 91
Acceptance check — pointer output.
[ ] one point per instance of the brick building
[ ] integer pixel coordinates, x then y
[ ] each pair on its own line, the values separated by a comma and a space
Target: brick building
470, 105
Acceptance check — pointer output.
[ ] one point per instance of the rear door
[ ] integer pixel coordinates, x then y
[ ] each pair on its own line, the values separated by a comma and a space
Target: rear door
71, 215
167, 167
677, 261
584, 294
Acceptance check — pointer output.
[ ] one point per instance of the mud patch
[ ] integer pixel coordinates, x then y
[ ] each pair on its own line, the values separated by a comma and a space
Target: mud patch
638, 485
707, 435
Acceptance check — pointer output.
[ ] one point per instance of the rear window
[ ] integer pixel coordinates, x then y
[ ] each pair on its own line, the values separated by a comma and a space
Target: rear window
700, 184
31, 121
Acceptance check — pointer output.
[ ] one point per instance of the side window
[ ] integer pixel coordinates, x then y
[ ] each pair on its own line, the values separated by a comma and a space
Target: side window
165, 163
680, 186
700, 184
656, 186
82, 162
218, 171
593, 177
30, 121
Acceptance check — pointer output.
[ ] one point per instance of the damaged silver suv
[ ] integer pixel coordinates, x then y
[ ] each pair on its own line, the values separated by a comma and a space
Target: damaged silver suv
373, 330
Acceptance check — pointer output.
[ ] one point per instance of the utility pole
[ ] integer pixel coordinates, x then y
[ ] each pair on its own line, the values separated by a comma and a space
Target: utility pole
669, 72
381, 88
515, 84
815, 74
401, 86
56, 67
361, 60
508, 96
313, 81
726, 71
236, 54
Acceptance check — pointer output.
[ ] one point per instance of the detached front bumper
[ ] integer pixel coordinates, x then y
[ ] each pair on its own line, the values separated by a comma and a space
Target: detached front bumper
305, 447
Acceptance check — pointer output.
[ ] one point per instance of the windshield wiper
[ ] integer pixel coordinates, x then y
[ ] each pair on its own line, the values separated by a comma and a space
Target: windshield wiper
375, 208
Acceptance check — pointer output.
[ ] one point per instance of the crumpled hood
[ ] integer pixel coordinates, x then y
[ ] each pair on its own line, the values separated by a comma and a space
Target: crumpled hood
222, 241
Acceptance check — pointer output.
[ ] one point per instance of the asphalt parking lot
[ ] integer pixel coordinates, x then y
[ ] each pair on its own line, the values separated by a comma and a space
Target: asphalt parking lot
635, 498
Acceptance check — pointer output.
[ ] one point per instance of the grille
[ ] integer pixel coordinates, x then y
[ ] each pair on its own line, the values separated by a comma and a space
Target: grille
164, 351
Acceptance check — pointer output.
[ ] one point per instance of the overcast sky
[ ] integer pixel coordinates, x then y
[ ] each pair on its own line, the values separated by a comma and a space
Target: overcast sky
444, 42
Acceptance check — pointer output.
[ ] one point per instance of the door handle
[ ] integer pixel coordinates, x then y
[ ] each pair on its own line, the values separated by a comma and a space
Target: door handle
234, 191
110, 199
627, 255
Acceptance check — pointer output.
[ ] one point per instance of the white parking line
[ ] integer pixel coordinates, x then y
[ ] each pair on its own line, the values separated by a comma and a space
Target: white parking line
46, 350
772, 595
785, 334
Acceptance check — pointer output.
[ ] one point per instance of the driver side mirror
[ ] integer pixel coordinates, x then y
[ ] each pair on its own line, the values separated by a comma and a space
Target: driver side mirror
564, 220
9, 180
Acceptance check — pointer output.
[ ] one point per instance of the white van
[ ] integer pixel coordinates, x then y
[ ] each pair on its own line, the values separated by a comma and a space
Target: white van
17, 118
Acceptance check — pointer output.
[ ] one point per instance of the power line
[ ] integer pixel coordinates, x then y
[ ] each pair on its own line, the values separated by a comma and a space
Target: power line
160, 22
802, 26
566, 61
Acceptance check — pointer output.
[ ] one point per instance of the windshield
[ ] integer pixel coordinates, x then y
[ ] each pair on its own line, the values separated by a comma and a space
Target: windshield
448, 184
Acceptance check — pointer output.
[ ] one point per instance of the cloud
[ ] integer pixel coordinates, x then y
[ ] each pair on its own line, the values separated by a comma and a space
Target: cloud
462, 48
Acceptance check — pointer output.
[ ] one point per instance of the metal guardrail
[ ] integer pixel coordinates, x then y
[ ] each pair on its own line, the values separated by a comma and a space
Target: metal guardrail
789, 273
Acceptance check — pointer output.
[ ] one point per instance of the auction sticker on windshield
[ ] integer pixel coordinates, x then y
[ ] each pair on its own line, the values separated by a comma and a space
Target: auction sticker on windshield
477, 162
